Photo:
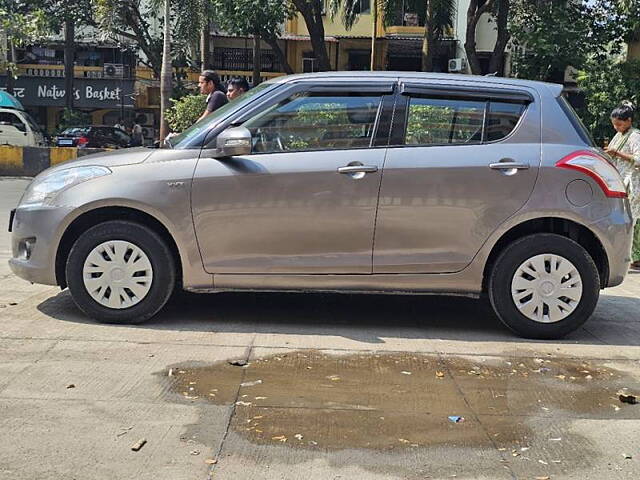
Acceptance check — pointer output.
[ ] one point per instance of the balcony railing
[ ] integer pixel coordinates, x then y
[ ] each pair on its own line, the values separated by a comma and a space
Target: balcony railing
57, 71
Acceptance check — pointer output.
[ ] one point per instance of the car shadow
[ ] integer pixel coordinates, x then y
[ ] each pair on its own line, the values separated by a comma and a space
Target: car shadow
364, 318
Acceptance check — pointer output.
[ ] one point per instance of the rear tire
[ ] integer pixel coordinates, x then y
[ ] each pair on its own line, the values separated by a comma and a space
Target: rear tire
544, 286
120, 272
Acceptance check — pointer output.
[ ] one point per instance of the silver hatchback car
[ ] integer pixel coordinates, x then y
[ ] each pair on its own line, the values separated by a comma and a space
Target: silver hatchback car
375, 182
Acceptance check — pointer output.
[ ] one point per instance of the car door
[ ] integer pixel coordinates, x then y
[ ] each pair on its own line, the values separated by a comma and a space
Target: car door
304, 201
461, 161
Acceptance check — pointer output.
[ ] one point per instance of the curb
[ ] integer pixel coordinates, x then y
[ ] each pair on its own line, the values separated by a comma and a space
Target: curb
30, 161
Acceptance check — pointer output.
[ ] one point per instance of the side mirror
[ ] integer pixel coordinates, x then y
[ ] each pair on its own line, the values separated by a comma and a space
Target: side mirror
233, 142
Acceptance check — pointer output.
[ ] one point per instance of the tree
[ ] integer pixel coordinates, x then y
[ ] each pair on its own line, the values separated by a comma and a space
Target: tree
166, 72
22, 23
439, 17
312, 13
64, 16
499, 9
605, 85
135, 20
548, 36
258, 18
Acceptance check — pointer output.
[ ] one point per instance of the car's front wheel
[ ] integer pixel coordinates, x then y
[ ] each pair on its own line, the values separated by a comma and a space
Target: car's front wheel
120, 272
544, 286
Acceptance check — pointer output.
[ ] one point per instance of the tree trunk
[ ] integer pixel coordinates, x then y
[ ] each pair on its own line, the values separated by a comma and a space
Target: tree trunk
165, 75
311, 11
496, 64
10, 59
473, 17
69, 58
205, 39
427, 39
282, 58
257, 60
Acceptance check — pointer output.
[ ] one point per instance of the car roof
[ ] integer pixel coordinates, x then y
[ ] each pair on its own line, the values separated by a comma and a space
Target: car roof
553, 89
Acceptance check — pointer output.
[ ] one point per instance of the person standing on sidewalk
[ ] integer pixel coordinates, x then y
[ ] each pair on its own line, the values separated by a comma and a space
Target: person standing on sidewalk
209, 83
624, 148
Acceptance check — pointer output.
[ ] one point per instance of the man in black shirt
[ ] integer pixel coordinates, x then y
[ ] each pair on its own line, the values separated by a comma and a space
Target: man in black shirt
209, 83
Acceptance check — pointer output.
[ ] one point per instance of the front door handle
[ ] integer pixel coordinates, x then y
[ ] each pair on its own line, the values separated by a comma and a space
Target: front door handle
509, 166
358, 169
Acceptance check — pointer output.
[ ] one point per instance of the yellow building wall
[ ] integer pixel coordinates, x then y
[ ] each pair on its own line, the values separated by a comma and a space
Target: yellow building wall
334, 27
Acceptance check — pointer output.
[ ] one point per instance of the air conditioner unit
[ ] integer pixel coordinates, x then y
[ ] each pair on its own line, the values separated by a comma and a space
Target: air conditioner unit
113, 70
148, 132
146, 118
457, 64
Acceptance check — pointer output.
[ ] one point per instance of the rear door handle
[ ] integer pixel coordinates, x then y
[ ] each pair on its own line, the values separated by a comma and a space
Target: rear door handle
358, 169
509, 166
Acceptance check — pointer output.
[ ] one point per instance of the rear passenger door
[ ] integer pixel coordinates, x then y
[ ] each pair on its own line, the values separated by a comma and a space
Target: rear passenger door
461, 161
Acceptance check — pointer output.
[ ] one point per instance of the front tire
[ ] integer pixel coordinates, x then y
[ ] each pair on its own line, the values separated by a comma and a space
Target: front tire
120, 272
544, 286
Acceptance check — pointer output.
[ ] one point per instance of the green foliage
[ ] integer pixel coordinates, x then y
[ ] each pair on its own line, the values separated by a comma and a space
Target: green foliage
73, 118
22, 24
605, 85
184, 112
249, 17
549, 36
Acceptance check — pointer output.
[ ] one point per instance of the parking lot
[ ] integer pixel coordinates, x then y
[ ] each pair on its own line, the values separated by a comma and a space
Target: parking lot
314, 386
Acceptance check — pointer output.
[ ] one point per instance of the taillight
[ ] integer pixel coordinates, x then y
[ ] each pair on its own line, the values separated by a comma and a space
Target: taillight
82, 141
598, 168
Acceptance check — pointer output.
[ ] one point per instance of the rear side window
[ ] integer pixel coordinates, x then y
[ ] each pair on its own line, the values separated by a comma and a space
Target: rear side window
445, 121
502, 119
437, 121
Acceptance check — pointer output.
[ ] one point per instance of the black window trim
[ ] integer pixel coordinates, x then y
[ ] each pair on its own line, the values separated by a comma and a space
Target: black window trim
504, 95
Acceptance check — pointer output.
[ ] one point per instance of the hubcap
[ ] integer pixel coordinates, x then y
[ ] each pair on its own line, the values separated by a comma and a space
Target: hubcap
117, 274
546, 288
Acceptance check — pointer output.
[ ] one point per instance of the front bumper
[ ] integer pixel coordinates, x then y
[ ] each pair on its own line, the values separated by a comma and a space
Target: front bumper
36, 233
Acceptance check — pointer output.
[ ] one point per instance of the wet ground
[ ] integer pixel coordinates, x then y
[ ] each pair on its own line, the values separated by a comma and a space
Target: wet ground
396, 402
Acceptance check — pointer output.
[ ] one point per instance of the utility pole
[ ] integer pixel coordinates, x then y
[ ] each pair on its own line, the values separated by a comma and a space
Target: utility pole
374, 33
69, 61
165, 73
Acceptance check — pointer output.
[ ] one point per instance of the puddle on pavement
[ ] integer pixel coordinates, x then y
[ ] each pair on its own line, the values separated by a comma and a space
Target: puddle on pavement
308, 399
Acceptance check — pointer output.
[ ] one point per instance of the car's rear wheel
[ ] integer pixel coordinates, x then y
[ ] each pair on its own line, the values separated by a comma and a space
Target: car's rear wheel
120, 272
544, 286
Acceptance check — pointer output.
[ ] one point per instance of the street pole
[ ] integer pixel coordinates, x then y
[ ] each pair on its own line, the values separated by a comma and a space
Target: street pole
374, 33
165, 73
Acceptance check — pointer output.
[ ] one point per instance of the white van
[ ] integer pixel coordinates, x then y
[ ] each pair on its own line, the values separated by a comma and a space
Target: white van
16, 125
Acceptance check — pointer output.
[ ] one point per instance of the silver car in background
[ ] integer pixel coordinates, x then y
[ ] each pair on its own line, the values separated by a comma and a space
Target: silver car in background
374, 182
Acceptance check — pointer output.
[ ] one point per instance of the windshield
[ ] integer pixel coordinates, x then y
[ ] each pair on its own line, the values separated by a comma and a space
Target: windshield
74, 131
192, 137
32, 123
576, 122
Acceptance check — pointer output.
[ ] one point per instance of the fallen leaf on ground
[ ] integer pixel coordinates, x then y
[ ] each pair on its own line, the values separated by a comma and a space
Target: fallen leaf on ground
139, 444
211, 461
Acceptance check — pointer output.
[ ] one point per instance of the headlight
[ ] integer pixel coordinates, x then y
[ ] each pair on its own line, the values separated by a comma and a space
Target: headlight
43, 190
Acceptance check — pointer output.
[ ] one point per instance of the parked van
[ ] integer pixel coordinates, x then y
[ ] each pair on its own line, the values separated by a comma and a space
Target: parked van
16, 125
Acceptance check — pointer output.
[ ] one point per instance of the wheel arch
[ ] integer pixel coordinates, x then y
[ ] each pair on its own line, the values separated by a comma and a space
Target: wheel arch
560, 226
103, 214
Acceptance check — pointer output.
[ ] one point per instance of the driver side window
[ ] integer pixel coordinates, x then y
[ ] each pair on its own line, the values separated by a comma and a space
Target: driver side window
315, 121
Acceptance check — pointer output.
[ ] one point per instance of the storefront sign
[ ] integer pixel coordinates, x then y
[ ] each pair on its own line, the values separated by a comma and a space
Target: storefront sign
87, 93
